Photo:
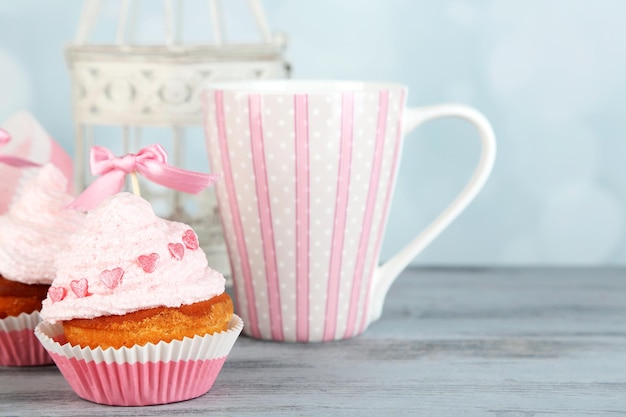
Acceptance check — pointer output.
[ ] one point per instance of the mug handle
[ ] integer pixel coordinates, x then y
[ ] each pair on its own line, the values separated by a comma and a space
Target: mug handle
386, 274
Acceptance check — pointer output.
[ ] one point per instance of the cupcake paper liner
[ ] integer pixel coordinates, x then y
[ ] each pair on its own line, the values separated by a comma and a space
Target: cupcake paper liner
141, 375
18, 344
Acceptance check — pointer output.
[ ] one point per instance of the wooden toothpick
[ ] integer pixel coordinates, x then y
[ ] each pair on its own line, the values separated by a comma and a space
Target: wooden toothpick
135, 184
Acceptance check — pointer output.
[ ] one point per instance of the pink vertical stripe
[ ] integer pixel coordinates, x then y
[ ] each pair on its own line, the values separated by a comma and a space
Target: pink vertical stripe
383, 104
381, 229
265, 215
253, 323
230, 245
341, 209
303, 220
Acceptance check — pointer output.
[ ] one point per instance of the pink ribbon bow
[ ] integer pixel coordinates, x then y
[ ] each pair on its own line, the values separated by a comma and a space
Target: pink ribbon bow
14, 161
151, 162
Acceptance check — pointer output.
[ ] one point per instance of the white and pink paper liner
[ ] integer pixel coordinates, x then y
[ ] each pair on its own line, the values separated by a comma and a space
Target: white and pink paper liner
141, 375
18, 344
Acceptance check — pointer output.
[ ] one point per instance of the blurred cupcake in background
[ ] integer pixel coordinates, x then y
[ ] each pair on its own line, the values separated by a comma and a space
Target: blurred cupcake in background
34, 230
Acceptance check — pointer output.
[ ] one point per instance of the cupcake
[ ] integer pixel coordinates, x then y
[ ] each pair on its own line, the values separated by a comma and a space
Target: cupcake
135, 316
36, 227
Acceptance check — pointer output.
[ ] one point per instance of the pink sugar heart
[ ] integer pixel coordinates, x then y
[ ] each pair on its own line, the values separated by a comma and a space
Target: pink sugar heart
148, 262
112, 278
56, 293
190, 239
177, 250
80, 287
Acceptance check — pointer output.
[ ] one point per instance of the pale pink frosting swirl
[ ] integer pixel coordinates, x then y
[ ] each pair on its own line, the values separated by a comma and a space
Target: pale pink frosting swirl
114, 235
36, 228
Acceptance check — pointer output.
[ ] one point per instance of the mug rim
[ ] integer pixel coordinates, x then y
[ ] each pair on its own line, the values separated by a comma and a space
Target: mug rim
302, 86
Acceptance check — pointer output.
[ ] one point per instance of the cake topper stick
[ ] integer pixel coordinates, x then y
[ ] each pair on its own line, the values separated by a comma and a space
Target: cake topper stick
135, 183
151, 162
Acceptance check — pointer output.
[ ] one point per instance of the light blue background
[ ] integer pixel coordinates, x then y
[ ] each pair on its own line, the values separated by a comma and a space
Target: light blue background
549, 75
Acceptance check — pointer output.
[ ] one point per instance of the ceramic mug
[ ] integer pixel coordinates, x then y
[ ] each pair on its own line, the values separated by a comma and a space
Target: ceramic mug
309, 169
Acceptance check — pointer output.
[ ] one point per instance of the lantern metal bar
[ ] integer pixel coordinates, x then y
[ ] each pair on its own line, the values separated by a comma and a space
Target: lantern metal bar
84, 141
126, 139
79, 157
90, 136
261, 20
132, 22
167, 15
178, 33
122, 21
88, 18
137, 139
216, 25
178, 139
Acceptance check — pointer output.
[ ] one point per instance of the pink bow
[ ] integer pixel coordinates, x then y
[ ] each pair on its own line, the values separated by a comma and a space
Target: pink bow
151, 162
14, 161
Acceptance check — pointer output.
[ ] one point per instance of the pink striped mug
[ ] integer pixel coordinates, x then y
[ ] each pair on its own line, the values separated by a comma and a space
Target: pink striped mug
309, 168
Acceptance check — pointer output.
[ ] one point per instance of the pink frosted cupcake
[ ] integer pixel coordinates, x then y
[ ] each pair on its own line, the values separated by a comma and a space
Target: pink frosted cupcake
36, 227
135, 316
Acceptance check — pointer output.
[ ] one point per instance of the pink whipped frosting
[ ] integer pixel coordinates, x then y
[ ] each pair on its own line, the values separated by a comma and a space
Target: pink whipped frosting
115, 235
36, 228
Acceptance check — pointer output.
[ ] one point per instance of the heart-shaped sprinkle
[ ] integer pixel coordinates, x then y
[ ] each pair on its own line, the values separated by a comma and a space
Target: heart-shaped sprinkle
80, 287
177, 250
57, 293
190, 240
148, 262
112, 278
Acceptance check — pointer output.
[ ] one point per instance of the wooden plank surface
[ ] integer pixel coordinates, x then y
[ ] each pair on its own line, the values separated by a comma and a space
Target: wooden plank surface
451, 342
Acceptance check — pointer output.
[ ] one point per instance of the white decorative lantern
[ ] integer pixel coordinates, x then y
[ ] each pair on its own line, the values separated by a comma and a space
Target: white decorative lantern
128, 95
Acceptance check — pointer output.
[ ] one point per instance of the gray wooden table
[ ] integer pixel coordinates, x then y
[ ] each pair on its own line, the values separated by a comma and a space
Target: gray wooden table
451, 342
